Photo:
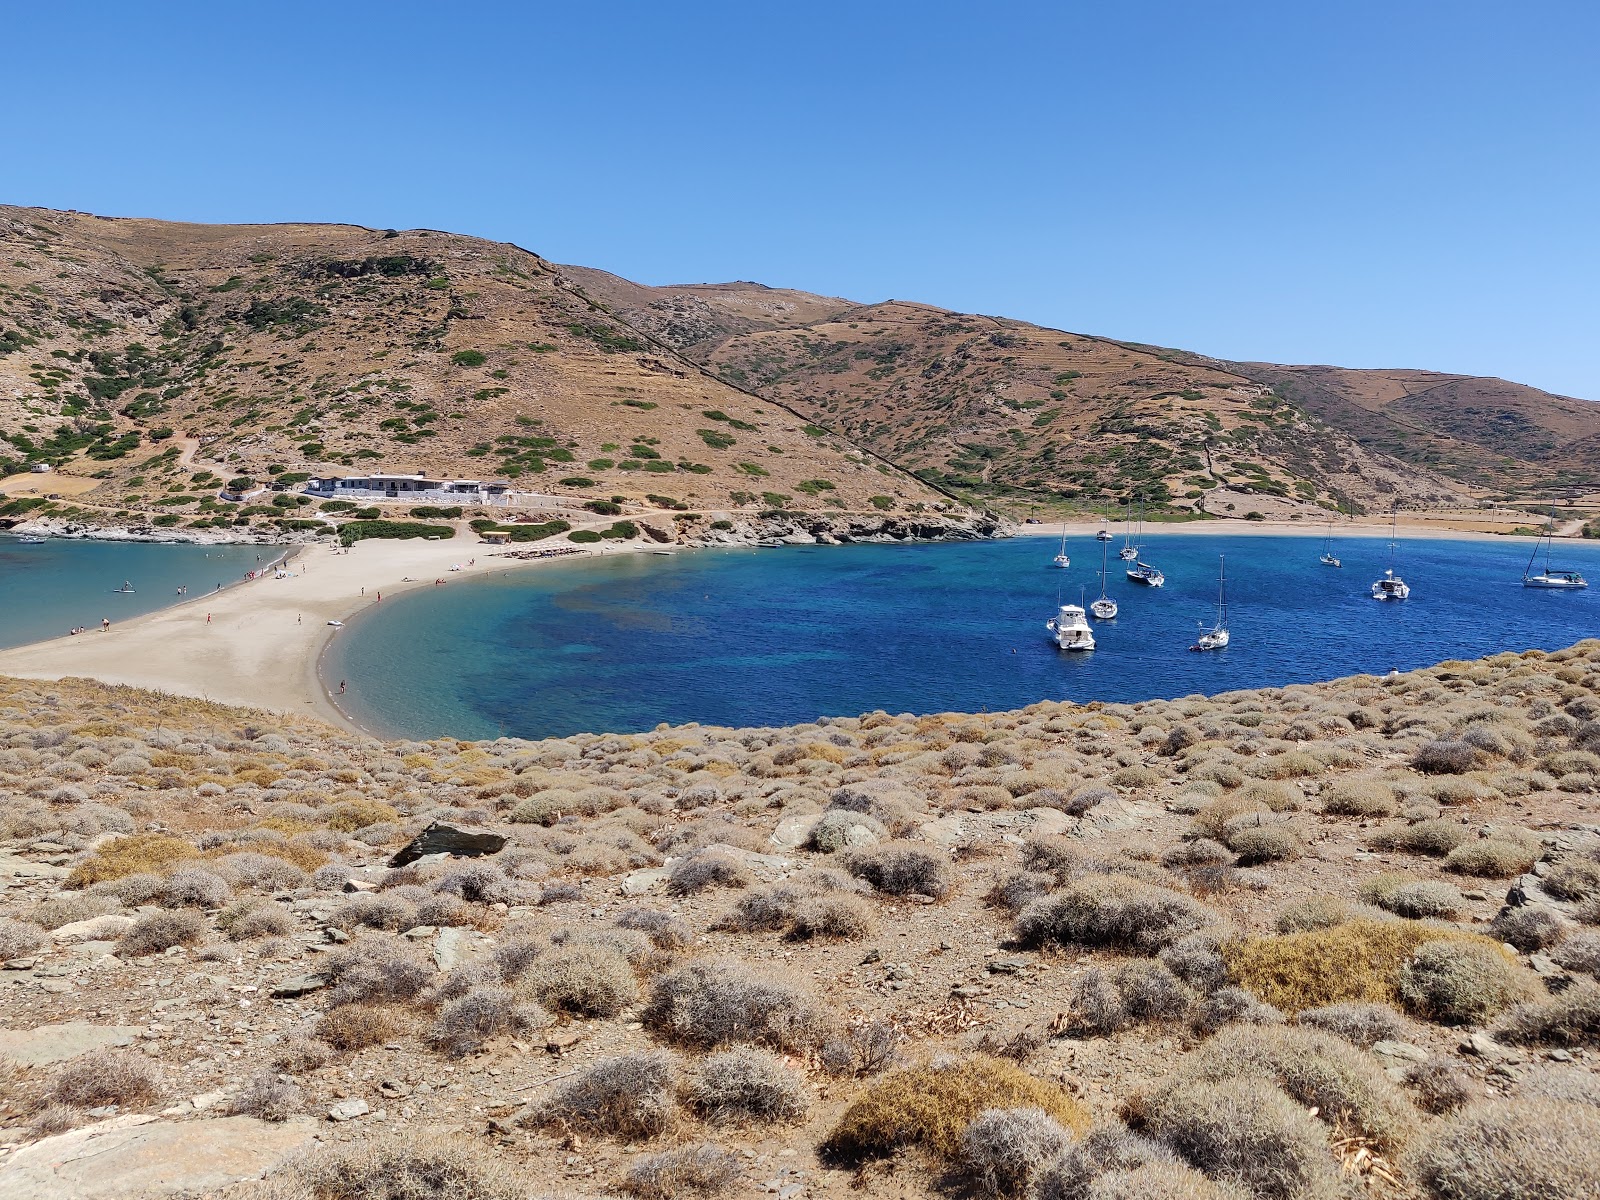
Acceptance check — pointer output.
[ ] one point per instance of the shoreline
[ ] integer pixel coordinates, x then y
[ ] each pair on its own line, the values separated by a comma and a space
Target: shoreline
1231, 526
259, 643
262, 643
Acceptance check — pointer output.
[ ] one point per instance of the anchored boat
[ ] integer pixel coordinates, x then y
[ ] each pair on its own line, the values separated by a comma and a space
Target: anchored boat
1070, 629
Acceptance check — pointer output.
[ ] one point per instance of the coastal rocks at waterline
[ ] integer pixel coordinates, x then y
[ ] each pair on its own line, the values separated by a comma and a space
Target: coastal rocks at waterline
819, 529
57, 527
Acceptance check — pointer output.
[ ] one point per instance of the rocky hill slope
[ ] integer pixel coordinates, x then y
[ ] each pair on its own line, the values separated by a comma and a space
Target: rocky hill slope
1297, 943
999, 407
156, 360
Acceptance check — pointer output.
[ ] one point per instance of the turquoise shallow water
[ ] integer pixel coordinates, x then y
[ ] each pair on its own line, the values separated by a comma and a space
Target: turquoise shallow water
51, 587
755, 637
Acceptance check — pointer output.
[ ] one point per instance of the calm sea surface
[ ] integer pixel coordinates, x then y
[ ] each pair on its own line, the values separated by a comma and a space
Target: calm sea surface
50, 587
756, 637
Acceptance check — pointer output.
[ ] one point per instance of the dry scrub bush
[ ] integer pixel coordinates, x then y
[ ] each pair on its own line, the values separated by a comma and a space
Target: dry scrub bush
627, 1097
1363, 1024
705, 1005
1512, 1150
350, 815
1232, 1006
1315, 912
1247, 1133
151, 853
1112, 912
1574, 1084
1437, 837
1580, 953
1439, 1086
588, 980
268, 1098
374, 968
840, 829
861, 1050
1359, 960
1256, 844
1006, 1148
478, 883
116, 1077
705, 869
745, 1084
1445, 756
1569, 1019
1360, 798
1491, 858
931, 1106
1060, 858
1105, 1149
413, 1164
898, 868
465, 1024
1573, 879
704, 1170
831, 917
251, 919
1346, 1087
1461, 981
666, 932
389, 913
1529, 928
155, 932
356, 1026
195, 887
1159, 1181
1422, 898
18, 939
298, 1054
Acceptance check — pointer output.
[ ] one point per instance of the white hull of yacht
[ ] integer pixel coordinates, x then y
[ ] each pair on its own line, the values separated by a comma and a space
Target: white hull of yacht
1070, 630
1104, 609
1147, 575
1569, 582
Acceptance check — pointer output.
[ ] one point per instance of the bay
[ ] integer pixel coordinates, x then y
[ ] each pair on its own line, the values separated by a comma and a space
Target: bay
779, 636
49, 588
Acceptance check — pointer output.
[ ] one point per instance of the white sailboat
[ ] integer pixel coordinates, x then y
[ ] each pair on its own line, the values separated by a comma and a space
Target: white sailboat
1105, 608
1391, 586
1103, 536
1070, 628
1551, 578
1216, 637
1141, 571
1328, 559
1061, 559
1129, 551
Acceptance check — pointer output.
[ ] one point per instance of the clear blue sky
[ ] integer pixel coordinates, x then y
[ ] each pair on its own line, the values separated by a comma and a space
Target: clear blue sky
1367, 183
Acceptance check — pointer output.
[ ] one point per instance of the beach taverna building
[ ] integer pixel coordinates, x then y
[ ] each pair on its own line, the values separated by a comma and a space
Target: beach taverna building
408, 487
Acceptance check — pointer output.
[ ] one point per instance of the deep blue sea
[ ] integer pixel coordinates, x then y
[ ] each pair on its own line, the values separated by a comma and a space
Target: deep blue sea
758, 637
50, 587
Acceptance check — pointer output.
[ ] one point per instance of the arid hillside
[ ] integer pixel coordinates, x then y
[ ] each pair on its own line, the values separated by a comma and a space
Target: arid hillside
994, 406
1304, 943
160, 359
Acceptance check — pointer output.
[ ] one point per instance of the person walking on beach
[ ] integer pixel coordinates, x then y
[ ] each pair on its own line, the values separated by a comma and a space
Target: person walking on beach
208, 618
299, 619
341, 687
105, 624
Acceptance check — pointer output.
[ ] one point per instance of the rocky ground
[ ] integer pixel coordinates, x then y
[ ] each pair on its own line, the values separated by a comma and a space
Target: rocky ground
1300, 942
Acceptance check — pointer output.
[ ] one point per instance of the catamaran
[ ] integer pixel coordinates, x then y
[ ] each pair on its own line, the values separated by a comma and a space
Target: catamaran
1391, 586
1129, 551
1216, 637
1105, 608
1061, 559
1070, 630
1552, 578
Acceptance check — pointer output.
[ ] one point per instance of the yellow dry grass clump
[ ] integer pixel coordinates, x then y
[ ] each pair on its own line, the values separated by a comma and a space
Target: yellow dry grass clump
1358, 960
932, 1104
137, 853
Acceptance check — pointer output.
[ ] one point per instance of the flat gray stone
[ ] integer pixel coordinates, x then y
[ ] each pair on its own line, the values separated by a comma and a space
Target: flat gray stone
1403, 1050
453, 947
947, 831
57, 1043
138, 1157
637, 883
792, 832
95, 929
349, 1110
300, 985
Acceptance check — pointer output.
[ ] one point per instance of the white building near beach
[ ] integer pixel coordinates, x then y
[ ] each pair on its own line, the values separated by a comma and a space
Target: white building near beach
411, 488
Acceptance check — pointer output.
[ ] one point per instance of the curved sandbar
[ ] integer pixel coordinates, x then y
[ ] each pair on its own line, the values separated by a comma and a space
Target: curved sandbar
257, 644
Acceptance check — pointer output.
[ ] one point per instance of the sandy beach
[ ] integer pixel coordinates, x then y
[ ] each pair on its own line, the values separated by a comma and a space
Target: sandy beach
257, 644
